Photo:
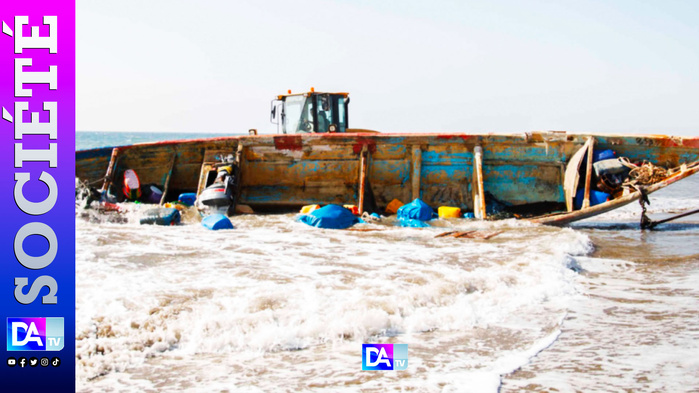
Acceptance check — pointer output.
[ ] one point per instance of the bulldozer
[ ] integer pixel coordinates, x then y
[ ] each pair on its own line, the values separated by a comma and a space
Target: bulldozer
311, 112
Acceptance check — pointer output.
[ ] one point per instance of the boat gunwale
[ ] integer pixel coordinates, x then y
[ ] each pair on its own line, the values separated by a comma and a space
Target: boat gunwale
556, 137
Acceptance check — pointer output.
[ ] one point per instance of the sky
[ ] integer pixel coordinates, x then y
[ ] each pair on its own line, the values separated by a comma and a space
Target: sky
409, 66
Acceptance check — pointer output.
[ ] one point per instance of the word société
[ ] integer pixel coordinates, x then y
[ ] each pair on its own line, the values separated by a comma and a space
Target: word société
21, 156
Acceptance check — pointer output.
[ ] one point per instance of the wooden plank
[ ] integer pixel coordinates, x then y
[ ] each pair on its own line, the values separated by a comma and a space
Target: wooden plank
109, 176
238, 173
362, 177
167, 178
570, 184
203, 175
474, 190
416, 171
588, 172
479, 199
484, 235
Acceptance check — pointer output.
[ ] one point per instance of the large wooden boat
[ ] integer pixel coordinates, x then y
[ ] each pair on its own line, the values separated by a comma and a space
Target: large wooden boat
533, 175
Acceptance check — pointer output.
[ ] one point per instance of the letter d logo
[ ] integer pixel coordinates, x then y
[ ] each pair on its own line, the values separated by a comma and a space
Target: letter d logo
26, 334
31, 334
377, 356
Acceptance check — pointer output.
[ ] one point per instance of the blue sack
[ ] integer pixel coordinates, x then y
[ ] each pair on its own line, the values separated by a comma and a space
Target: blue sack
417, 210
331, 217
216, 222
414, 214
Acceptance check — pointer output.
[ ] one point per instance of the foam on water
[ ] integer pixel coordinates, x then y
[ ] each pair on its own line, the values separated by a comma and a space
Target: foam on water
635, 325
635, 328
277, 303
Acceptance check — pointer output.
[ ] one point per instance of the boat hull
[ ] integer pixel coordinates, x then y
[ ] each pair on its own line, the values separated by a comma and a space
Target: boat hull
288, 171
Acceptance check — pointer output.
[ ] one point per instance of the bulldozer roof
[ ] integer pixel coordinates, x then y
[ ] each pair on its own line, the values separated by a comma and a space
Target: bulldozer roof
308, 93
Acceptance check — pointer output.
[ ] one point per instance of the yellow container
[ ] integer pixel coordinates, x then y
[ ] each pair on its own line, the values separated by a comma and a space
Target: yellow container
393, 207
449, 212
309, 208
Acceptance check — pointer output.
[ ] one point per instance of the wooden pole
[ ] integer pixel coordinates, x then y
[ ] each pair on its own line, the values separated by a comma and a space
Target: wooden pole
108, 178
685, 214
362, 178
478, 169
167, 179
588, 172
238, 175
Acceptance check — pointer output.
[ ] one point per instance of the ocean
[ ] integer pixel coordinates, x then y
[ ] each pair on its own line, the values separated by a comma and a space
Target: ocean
275, 305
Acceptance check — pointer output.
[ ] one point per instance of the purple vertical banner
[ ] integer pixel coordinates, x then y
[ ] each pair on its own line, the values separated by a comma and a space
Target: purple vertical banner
37, 172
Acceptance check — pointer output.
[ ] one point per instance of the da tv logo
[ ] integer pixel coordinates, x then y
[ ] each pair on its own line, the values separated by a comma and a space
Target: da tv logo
384, 356
34, 334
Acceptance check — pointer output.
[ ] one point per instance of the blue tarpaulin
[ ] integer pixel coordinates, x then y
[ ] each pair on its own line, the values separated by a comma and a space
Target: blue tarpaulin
414, 213
417, 210
412, 223
331, 217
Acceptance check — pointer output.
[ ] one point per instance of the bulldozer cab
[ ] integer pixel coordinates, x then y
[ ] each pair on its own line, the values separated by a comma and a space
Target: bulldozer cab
311, 112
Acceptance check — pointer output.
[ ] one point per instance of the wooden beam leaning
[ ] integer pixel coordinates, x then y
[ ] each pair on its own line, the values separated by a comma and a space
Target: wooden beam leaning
572, 177
167, 178
588, 172
416, 172
109, 176
479, 192
238, 173
364, 163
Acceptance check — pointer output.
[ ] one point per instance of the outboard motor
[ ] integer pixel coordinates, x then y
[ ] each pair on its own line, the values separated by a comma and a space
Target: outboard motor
222, 194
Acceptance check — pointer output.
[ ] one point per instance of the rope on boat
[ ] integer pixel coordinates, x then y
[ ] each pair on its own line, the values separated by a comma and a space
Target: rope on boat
645, 174
100, 180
